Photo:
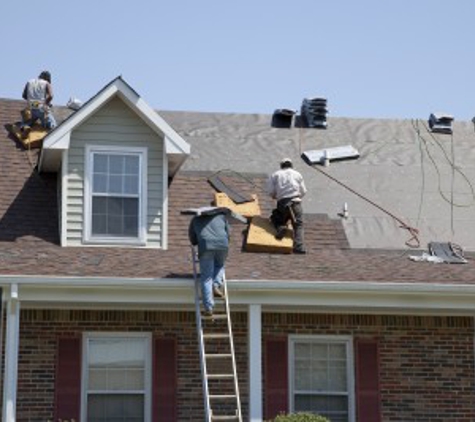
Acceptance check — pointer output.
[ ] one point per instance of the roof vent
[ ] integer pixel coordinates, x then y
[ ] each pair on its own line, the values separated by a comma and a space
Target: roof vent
441, 123
282, 118
314, 112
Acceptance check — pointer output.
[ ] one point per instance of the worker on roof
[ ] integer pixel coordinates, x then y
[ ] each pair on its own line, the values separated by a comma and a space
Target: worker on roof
288, 188
38, 92
211, 234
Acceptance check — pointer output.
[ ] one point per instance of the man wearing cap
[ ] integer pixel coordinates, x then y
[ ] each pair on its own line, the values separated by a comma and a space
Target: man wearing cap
288, 188
39, 94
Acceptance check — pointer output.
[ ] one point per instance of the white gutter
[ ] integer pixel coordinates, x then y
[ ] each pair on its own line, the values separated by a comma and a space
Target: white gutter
271, 295
459, 288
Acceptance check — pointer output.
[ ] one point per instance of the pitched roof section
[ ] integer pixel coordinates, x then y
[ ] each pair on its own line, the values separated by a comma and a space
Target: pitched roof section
176, 148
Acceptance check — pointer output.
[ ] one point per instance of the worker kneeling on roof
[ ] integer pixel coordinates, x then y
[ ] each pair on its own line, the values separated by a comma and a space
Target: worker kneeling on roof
39, 94
288, 188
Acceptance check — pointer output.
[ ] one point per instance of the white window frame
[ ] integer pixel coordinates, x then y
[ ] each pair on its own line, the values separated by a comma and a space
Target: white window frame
350, 369
148, 368
88, 237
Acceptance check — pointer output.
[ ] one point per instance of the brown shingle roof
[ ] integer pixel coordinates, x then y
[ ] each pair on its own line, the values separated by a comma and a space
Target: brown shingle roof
29, 243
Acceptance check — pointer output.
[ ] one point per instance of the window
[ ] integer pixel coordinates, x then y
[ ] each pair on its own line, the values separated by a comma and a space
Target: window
115, 195
321, 380
116, 378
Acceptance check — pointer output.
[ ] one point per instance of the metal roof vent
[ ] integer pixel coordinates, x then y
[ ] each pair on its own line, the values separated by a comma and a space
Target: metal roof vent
314, 112
441, 123
282, 118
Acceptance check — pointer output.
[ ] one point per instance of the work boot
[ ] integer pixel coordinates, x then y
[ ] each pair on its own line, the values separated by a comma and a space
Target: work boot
300, 251
217, 292
208, 313
280, 233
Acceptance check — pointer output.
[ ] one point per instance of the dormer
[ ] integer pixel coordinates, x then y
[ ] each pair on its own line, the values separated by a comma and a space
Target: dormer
114, 158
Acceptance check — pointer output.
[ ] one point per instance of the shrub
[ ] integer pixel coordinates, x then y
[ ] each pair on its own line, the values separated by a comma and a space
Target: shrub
300, 417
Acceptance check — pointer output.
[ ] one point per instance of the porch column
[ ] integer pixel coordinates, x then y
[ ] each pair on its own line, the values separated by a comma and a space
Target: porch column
12, 340
255, 362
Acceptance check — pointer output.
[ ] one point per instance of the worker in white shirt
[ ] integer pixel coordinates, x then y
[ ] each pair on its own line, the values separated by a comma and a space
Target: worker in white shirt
38, 92
288, 188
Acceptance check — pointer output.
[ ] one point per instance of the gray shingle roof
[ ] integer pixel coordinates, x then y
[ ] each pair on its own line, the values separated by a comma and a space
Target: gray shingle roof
29, 242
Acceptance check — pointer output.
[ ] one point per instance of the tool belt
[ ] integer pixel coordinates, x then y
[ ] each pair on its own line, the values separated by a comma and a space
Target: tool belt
36, 104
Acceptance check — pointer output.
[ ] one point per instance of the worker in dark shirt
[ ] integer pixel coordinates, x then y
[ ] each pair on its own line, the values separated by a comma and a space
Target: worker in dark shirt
211, 234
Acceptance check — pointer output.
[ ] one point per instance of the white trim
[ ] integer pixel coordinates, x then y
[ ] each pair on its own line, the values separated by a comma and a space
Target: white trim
147, 369
87, 237
350, 369
60, 137
164, 234
273, 296
12, 343
64, 199
254, 329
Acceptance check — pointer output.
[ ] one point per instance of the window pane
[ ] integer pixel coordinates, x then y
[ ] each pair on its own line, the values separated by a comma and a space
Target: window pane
115, 408
114, 216
115, 184
337, 351
99, 183
131, 185
99, 224
116, 164
117, 352
132, 164
337, 376
101, 163
333, 407
319, 351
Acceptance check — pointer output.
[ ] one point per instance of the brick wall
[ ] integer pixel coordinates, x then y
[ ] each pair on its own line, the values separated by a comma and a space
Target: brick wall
40, 330
427, 363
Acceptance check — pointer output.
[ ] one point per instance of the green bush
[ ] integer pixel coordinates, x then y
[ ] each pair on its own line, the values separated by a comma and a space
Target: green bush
300, 417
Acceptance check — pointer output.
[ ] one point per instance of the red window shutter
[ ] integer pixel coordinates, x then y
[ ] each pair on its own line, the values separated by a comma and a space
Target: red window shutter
68, 379
367, 381
164, 378
276, 377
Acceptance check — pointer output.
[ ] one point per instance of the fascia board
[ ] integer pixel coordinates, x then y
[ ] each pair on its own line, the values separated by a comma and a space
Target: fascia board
60, 134
455, 299
174, 143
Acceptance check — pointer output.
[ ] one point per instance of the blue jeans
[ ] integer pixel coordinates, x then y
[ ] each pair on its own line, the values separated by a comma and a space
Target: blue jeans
47, 121
211, 274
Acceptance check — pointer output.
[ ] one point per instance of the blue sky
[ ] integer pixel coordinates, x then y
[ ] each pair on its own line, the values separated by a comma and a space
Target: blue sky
369, 58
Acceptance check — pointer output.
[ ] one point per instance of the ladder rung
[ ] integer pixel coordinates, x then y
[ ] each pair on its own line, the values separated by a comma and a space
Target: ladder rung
218, 356
222, 396
216, 316
211, 336
220, 376
224, 418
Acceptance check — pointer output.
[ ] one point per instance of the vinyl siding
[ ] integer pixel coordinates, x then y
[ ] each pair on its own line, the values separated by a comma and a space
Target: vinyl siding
115, 125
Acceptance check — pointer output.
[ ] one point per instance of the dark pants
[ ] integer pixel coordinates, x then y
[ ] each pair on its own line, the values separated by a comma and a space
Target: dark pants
288, 210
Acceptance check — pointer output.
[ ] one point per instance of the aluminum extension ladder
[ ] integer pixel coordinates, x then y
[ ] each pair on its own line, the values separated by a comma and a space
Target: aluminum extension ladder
218, 362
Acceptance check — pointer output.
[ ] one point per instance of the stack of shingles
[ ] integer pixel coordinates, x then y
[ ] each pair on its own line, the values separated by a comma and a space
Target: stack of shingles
441, 123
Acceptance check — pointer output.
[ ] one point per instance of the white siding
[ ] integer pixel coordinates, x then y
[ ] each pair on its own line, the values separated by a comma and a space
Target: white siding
117, 125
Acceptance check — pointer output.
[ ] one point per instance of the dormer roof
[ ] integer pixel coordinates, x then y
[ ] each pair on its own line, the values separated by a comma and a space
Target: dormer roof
176, 148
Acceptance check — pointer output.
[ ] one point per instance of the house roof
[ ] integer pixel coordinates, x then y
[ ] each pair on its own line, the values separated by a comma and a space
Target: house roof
29, 243
176, 148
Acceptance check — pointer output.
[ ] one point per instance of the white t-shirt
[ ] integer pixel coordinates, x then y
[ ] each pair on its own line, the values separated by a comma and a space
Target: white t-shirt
286, 183
37, 91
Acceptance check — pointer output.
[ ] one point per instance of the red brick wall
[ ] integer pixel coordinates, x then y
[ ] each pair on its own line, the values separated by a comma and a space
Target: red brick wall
40, 330
427, 363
